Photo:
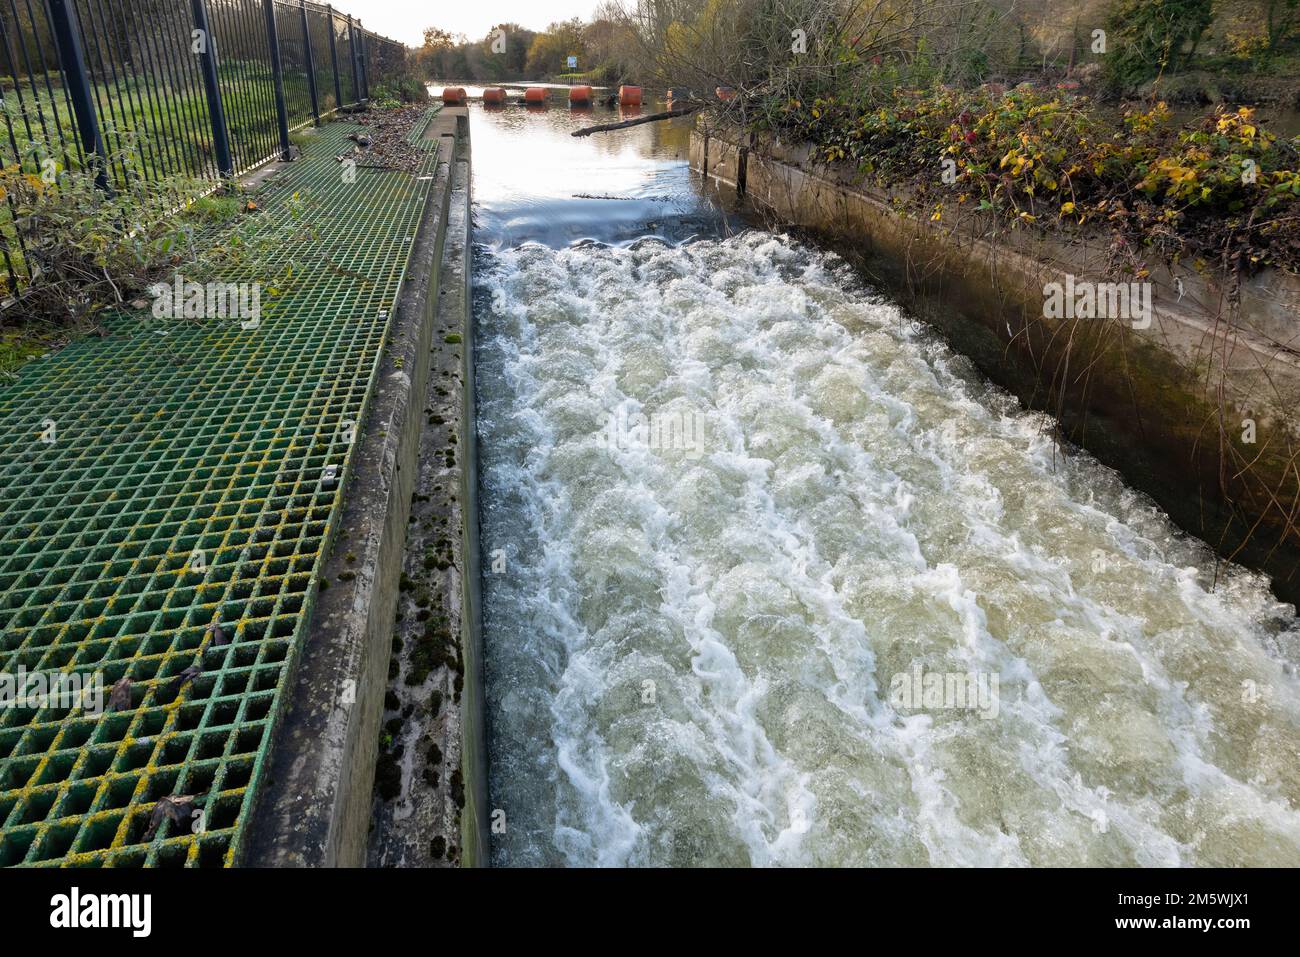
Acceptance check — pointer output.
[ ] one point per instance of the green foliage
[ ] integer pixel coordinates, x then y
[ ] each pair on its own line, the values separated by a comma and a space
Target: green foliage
1034, 158
445, 57
161, 123
1153, 37
217, 208
550, 50
601, 47
21, 344
84, 248
399, 89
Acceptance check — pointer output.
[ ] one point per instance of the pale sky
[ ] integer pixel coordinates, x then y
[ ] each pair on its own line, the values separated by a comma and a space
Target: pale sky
405, 20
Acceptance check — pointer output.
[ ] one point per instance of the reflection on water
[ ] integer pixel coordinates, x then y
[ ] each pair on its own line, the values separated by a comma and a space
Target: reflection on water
535, 182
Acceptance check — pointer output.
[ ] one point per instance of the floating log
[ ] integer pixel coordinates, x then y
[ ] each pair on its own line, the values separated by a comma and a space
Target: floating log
685, 110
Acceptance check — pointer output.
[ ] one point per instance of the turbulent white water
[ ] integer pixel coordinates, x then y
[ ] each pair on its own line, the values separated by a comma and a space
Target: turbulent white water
691, 650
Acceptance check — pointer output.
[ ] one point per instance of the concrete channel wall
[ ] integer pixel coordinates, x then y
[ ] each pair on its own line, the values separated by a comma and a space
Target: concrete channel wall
476, 814
430, 779
1168, 406
317, 806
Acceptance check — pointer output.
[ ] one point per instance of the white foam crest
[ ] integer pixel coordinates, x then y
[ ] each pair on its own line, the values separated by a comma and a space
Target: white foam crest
861, 505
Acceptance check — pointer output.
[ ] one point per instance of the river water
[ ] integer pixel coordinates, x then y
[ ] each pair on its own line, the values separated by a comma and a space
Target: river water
773, 577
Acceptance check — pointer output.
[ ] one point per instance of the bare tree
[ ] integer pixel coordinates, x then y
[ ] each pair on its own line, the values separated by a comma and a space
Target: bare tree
799, 49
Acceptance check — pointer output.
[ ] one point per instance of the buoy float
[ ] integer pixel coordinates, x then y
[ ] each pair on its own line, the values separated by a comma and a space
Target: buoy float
725, 92
579, 96
494, 96
453, 96
535, 96
629, 96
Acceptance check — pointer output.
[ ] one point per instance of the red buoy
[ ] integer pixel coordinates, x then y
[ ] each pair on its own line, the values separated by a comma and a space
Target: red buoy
453, 96
535, 96
629, 96
494, 96
579, 95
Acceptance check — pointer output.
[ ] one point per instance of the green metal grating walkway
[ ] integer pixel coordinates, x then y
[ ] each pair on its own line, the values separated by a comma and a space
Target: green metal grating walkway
214, 438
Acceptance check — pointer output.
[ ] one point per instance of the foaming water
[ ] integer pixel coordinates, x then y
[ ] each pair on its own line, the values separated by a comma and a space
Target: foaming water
695, 644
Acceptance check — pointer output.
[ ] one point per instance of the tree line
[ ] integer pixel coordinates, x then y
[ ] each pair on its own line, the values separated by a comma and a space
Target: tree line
751, 43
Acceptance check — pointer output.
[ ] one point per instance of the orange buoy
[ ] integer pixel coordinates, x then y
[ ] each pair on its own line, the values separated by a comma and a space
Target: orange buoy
535, 96
725, 92
579, 95
453, 96
494, 96
629, 96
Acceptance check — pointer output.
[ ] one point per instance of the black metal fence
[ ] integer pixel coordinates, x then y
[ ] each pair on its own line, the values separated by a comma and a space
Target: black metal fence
201, 88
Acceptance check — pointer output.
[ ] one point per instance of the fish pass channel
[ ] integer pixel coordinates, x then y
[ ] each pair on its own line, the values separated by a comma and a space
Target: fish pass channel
773, 577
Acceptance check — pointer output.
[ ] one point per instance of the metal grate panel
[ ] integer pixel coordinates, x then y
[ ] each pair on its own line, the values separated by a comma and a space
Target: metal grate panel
210, 437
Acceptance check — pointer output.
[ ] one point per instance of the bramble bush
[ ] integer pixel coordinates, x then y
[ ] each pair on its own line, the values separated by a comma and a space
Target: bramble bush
84, 249
398, 89
1221, 187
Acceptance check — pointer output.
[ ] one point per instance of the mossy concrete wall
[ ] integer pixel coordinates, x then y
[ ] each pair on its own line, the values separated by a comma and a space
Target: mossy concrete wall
476, 815
1165, 405
430, 782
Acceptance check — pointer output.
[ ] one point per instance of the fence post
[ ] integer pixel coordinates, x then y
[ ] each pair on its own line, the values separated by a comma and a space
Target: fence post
67, 40
356, 58
208, 65
311, 64
365, 64
334, 63
277, 76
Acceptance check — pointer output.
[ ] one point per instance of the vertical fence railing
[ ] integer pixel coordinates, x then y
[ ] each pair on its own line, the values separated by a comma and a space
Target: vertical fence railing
355, 57
332, 30
201, 89
277, 77
309, 64
207, 53
65, 28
